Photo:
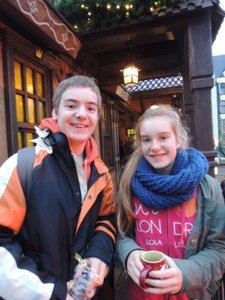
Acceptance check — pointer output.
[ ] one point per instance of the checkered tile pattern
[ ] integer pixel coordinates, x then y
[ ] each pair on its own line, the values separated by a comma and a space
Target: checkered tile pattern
157, 83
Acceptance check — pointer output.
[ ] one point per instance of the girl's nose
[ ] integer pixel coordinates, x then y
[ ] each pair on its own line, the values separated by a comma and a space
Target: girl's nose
155, 145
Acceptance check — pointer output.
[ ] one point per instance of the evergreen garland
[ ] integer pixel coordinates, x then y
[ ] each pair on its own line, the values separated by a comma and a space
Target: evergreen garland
92, 14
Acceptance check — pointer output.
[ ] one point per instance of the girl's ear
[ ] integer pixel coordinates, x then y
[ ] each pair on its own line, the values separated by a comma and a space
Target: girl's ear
178, 143
54, 114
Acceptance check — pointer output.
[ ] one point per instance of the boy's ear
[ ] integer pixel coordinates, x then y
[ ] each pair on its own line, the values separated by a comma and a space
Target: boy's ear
54, 114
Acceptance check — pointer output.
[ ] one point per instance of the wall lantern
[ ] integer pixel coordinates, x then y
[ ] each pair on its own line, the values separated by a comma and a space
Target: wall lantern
130, 75
38, 52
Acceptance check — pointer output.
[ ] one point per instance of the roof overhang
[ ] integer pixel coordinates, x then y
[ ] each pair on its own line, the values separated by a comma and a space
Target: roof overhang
155, 44
40, 22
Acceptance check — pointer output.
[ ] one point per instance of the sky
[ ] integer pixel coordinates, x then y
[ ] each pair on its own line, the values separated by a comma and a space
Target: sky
218, 47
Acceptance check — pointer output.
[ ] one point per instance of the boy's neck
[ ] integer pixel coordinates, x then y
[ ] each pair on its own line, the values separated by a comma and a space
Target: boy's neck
77, 148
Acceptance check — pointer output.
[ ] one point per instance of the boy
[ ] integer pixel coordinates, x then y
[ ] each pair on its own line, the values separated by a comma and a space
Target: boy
69, 208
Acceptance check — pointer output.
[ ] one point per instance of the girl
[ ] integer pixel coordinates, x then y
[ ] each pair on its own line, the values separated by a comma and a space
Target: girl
167, 202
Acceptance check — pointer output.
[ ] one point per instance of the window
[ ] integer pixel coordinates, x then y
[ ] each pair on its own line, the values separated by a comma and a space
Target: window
221, 86
222, 107
30, 99
131, 132
106, 134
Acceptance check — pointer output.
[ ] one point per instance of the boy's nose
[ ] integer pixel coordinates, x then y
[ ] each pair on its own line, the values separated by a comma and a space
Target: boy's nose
80, 111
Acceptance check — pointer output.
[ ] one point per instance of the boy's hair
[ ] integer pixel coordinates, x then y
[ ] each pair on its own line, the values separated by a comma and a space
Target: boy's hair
125, 206
76, 81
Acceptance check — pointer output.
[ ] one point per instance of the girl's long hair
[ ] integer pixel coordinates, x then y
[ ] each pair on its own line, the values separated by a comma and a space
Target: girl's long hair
125, 210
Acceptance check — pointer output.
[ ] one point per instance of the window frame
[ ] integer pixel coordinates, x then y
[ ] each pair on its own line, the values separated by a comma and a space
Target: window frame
26, 126
11, 54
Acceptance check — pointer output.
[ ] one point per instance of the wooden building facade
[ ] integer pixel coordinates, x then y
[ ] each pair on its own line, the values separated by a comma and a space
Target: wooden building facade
38, 49
171, 42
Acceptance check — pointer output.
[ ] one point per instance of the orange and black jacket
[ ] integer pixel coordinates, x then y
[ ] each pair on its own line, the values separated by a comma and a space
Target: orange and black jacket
41, 232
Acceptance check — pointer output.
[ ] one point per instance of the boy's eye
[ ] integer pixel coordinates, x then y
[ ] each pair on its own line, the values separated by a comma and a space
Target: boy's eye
70, 105
91, 108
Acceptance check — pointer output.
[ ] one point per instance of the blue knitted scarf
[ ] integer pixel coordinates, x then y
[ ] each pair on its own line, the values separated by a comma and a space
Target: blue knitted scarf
164, 191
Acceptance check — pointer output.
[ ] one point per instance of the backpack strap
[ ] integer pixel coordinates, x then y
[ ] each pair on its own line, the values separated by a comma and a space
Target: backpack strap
25, 161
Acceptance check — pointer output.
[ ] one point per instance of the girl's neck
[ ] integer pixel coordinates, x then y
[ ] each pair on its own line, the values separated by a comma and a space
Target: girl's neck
166, 170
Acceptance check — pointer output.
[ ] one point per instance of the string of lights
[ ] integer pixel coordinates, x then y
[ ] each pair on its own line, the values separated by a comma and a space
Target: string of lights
86, 15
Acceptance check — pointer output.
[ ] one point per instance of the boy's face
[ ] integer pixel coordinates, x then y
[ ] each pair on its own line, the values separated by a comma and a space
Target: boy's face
78, 113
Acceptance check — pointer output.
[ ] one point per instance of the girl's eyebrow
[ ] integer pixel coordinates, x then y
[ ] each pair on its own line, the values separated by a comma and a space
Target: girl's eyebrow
164, 132
144, 135
159, 133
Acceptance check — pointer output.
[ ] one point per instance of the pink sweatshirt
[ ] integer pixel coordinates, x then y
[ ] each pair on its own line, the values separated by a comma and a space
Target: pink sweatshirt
165, 230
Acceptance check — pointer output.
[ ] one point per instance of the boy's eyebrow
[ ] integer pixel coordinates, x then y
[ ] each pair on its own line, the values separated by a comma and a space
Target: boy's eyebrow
74, 100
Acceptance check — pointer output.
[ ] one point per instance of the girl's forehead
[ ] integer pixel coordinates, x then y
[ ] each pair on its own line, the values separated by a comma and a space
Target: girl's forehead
157, 120
155, 125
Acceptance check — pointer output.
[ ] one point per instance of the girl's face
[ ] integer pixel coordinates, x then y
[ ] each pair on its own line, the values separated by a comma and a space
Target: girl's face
158, 143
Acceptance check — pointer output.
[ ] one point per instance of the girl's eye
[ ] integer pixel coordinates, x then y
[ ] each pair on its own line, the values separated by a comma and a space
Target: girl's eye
145, 140
163, 138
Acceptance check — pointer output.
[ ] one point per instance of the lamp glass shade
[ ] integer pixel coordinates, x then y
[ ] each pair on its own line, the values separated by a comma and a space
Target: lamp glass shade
130, 75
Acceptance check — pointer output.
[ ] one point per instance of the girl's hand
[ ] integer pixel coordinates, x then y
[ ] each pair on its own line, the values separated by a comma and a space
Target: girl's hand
169, 280
134, 265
